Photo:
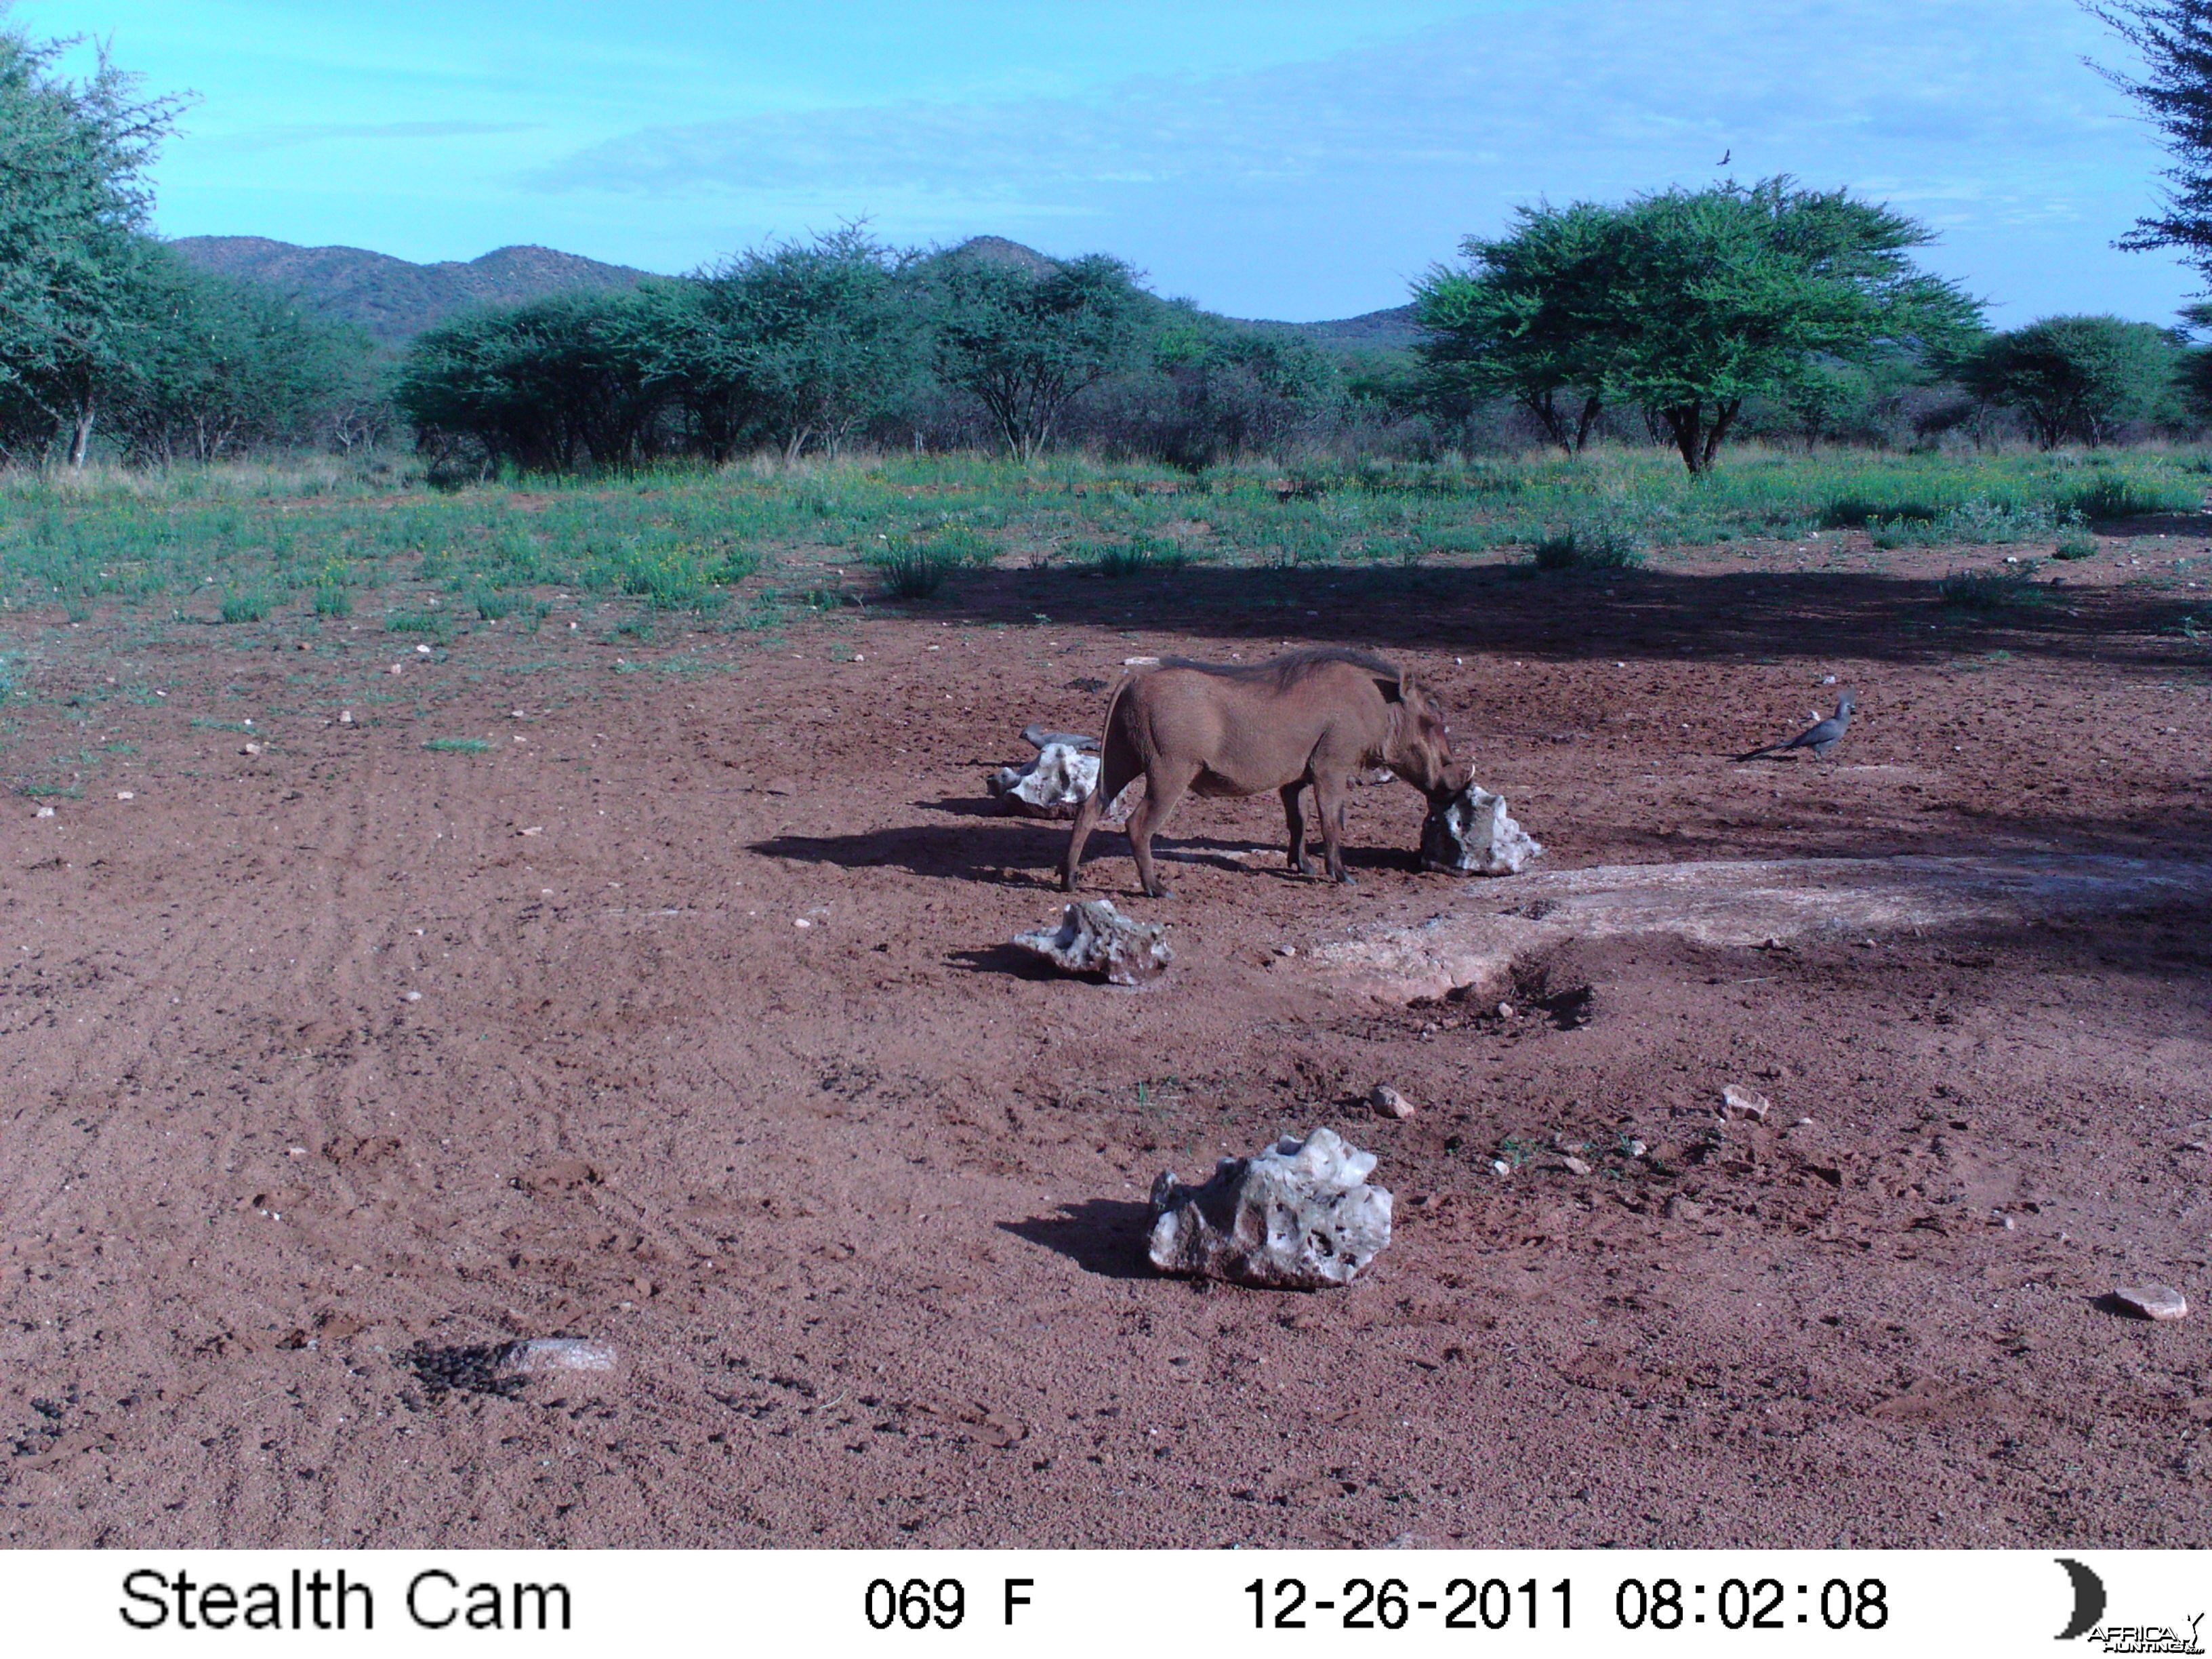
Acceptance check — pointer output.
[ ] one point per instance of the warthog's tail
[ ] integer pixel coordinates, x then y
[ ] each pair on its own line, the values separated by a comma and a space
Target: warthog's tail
1118, 763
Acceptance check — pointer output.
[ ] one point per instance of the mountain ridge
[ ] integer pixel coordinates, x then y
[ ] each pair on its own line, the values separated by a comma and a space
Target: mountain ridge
394, 299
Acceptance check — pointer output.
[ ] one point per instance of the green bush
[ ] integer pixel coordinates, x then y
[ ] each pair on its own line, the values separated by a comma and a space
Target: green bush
915, 572
2128, 498
1598, 545
1989, 590
247, 607
1116, 560
458, 745
333, 602
2076, 547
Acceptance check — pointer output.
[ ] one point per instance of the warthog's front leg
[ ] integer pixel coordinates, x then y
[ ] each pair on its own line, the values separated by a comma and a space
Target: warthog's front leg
1329, 801
1294, 819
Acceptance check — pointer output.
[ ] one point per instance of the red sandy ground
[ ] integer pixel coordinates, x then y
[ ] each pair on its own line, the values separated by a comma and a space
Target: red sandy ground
860, 1202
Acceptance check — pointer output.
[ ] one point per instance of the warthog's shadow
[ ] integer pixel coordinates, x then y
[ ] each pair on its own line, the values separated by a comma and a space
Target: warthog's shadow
1102, 1236
1027, 852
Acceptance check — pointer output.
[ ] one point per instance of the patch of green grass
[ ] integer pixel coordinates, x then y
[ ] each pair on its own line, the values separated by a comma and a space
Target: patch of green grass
1988, 590
1853, 513
433, 622
250, 606
2110, 498
914, 572
2076, 547
459, 745
333, 602
1595, 544
1138, 557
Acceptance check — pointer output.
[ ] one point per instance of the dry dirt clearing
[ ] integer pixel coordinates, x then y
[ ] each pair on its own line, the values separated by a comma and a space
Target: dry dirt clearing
680, 1017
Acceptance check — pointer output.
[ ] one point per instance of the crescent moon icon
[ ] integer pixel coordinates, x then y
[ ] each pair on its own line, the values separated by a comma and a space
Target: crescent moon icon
2088, 1599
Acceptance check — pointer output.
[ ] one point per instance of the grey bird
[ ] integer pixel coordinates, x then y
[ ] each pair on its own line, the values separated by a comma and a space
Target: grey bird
1819, 738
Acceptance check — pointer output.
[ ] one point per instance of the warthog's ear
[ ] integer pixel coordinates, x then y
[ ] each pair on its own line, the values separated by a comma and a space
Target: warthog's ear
1394, 690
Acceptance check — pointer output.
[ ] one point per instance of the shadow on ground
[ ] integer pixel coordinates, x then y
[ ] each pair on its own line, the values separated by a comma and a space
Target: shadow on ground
1102, 1236
1514, 609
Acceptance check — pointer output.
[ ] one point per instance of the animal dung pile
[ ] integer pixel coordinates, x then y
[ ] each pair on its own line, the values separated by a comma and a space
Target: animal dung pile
1470, 834
1094, 938
1298, 1216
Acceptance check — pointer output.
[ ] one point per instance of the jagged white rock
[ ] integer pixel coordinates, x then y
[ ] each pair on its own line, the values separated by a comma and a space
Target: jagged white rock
1053, 786
1471, 834
1299, 1216
1094, 938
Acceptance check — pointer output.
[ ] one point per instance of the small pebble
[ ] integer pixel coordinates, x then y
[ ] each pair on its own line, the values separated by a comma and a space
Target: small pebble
1575, 1166
345, 717
125, 794
2154, 1301
44, 812
1505, 1011
800, 921
1637, 1149
421, 650
414, 996
1388, 1103
1499, 1166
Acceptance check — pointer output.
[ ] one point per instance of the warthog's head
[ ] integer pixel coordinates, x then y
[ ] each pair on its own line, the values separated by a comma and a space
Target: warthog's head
1420, 747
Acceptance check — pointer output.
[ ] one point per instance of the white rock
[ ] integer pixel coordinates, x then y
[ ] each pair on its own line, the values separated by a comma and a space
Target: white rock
1575, 1166
44, 812
125, 794
1094, 938
2154, 1301
555, 1353
1471, 834
1737, 1102
1300, 1216
1053, 786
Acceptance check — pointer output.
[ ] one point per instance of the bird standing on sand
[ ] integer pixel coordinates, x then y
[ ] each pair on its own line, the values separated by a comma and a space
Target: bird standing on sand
1819, 738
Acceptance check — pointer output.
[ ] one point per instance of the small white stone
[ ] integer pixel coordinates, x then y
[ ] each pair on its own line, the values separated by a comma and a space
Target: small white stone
421, 650
345, 717
1575, 1166
1499, 1166
44, 812
125, 794
414, 996
800, 921
1505, 1011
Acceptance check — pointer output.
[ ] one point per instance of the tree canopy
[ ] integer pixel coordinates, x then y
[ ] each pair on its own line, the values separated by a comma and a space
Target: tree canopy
2175, 88
74, 203
1025, 342
1688, 302
2078, 378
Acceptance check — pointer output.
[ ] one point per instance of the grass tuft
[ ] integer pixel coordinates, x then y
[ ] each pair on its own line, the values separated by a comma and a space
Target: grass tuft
459, 745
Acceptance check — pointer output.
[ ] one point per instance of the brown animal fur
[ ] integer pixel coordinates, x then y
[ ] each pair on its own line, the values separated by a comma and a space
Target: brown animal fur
1308, 719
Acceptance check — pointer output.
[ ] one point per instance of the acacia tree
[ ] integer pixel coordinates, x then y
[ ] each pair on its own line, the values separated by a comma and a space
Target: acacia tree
2078, 378
807, 339
74, 205
1026, 343
1712, 296
2175, 40
1518, 320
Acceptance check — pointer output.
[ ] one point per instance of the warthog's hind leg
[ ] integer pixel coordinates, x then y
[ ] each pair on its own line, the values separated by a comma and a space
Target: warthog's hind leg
1162, 792
1294, 819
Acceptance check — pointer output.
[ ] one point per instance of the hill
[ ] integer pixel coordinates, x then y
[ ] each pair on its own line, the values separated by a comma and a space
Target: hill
393, 299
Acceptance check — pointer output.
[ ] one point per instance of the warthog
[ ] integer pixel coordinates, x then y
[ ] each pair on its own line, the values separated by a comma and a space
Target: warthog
1309, 718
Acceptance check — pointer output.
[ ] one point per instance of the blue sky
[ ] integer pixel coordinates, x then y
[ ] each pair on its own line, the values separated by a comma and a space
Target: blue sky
1286, 159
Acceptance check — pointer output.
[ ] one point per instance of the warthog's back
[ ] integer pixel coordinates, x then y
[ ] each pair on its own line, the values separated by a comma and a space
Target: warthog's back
1253, 729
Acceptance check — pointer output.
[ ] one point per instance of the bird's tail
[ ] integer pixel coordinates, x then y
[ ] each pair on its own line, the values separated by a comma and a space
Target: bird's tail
1756, 753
